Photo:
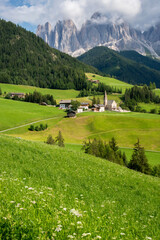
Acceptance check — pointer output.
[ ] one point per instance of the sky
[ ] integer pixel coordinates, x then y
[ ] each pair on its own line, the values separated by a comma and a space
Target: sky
29, 13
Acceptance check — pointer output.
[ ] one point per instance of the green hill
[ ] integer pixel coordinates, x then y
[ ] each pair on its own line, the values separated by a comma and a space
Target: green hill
25, 59
52, 193
111, 62
147, 61
125, 127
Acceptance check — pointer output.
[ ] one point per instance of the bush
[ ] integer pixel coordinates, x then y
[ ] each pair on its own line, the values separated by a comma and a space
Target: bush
153, 111
31, 128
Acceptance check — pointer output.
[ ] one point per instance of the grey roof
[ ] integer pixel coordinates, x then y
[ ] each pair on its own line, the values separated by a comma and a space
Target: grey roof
17, 93
110, 102
65, 101
84, 103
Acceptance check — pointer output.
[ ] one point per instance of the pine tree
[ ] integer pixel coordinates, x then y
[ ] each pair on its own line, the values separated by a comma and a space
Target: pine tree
50, 140
113, 145
139, 160
60, 139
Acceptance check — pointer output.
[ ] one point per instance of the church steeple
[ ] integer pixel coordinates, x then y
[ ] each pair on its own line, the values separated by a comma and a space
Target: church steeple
105, 99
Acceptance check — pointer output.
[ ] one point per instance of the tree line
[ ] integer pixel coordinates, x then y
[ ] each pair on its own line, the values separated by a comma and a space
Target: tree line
98, 90
112, 153
137, 94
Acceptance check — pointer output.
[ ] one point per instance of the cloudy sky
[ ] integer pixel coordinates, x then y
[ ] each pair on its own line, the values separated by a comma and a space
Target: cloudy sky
30, 13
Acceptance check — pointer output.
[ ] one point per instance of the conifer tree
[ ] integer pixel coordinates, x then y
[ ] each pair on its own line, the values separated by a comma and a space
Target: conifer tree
60, 139
50, 140
113, 145
139, 160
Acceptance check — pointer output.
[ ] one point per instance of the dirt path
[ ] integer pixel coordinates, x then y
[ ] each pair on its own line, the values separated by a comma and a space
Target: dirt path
9, 129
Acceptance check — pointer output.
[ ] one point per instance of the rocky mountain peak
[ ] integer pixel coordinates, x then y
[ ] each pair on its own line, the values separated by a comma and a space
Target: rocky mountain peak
100, 30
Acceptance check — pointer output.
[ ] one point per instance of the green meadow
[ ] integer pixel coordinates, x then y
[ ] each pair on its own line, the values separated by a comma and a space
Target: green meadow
16, 113
109, 81
51, 193
57, 93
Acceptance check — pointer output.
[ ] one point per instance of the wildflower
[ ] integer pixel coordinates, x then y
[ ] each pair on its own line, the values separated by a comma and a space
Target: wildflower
12, 201
30, 188
34, 202
18, 205
70, 236
65, 209
98, 237
26, 186
4, 218
41, 193
79, 222
149, 238
86, 234
75, 212
122, 234
58, 228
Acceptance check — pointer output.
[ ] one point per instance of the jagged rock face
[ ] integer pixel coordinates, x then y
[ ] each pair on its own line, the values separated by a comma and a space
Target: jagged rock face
99, 31
153, 36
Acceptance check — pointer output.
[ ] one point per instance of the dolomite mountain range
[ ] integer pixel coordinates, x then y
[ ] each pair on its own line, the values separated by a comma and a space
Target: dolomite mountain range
100, 31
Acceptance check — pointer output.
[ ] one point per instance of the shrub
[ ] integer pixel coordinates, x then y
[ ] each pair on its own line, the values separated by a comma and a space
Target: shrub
31, 128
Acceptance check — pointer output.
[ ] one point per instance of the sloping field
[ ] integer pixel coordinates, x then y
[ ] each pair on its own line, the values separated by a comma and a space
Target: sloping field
125, 127
16, 113
52, 193
57, 93
110, 81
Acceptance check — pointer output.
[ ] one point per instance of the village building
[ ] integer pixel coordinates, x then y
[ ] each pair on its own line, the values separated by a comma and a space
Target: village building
98, 108
80, 110
19, 95
65, 104
84, 105
109, 104
71, 114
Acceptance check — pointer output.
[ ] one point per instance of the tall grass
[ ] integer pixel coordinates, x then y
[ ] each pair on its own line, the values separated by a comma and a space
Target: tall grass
52, 193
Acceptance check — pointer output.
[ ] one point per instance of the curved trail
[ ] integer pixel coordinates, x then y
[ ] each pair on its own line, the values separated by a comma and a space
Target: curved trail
9, 129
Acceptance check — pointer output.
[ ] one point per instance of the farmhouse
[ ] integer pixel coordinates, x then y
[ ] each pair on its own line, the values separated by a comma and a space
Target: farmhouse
98, 108
65, 104
109, 104
19, 95
71, 114
79, 110
84, 105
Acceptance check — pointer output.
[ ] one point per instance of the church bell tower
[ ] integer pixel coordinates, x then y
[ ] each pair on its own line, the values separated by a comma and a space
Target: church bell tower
105, 99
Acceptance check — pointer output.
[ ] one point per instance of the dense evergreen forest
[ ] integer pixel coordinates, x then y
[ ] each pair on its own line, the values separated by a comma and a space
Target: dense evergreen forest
27, 59
129, 68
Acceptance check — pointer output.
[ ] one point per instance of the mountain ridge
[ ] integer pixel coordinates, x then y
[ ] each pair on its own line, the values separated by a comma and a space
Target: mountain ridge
99, 30
26, 59
123, 67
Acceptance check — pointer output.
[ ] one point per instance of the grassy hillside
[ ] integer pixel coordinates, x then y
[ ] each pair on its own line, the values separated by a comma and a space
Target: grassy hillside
26, 59
52, 193
126, 127
15, 113
110, 81
58, 94
111, 62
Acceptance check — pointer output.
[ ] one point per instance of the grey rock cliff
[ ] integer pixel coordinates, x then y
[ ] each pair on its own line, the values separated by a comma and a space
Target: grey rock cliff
100, 31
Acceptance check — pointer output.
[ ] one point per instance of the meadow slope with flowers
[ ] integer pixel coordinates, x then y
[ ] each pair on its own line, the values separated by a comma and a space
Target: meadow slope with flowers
48, 192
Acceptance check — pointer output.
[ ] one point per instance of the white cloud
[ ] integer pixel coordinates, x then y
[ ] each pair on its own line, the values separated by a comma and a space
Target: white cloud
141, 13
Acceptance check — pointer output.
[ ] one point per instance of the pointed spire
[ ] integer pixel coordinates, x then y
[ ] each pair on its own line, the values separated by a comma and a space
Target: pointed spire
105, 99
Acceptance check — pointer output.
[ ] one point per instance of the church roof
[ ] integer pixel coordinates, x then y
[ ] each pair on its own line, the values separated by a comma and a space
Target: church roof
110, 102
